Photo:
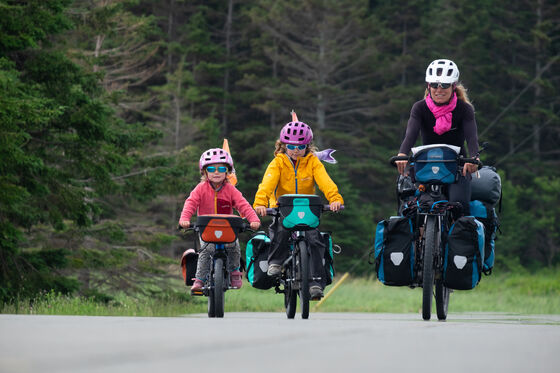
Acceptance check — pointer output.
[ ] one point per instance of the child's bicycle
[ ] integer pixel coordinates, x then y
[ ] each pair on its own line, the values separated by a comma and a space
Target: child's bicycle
434, 215
300, 213
218, 230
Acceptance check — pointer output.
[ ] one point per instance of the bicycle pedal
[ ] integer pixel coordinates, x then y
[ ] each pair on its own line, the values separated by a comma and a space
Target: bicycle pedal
197, 293
316, 298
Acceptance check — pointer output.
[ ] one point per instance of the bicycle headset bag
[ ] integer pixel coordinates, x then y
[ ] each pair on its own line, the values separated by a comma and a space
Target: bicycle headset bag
464, 254
256, 254
394, 251
300, 211
435, 163
486, 214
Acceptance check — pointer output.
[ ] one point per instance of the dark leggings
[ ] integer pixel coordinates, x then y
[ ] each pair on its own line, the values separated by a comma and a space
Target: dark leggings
279, 249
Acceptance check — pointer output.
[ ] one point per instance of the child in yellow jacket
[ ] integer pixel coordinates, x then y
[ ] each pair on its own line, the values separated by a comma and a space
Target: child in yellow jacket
295, 169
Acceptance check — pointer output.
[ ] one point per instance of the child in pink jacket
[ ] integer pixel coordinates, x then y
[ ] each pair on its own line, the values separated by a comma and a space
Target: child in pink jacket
215, 195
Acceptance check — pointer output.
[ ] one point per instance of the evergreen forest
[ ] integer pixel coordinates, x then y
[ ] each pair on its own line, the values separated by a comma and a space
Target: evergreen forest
106, 106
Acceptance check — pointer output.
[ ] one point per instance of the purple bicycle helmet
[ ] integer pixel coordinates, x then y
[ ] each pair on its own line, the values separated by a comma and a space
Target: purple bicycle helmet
215, 155
296, 133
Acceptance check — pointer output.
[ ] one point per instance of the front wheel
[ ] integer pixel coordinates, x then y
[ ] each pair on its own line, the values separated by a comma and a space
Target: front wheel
219, 294
431, 243
304, 274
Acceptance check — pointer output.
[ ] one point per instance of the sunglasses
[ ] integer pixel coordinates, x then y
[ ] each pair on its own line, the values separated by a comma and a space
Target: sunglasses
220, 169
294, 147
442, 85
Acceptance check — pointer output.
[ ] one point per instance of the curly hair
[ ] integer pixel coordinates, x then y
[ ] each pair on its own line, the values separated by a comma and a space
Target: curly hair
280, 147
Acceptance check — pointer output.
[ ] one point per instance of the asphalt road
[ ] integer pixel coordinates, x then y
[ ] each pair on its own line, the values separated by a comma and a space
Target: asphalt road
268, 343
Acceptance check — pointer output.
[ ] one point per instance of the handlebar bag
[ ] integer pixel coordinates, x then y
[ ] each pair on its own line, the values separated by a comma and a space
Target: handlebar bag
435, 164
256, 254
463, 254
486, 214
300, 211
219, 228
394, 251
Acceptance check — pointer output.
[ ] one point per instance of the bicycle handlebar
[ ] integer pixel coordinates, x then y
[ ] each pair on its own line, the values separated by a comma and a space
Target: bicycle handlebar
273, 211
461, 161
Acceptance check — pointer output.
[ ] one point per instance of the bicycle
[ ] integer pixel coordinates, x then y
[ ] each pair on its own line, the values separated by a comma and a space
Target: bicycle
218, 230
300, 213
434, 215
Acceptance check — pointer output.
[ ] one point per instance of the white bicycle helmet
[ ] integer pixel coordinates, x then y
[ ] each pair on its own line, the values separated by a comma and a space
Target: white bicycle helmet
442, 71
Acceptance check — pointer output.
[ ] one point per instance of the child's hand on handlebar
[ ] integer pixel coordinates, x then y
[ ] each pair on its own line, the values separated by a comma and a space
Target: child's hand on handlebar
260, 210
335, 206
185, 223
255, 224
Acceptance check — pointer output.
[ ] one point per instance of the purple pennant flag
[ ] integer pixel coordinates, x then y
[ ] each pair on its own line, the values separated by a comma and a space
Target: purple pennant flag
326, 156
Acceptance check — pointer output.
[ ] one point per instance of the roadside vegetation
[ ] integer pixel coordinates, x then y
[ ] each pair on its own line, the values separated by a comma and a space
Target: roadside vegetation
521, 293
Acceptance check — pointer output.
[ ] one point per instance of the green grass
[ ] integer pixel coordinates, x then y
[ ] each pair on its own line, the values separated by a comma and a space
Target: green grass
506, 292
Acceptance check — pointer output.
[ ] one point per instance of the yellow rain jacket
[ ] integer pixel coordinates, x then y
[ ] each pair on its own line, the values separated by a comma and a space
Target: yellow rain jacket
283, 177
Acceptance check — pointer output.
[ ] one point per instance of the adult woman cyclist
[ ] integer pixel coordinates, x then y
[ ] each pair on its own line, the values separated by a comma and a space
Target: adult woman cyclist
444, 116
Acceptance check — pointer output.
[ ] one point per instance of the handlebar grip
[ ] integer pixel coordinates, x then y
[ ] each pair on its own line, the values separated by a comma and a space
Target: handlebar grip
392, 160
328, 207
270, 211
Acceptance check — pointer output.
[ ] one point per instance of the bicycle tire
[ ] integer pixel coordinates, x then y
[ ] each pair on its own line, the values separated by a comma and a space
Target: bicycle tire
303, 253
211, 308
430, 240
442, 300
290, 295
219, 293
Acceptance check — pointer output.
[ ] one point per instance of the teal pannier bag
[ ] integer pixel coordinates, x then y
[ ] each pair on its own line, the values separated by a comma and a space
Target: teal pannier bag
328, 260
256, 254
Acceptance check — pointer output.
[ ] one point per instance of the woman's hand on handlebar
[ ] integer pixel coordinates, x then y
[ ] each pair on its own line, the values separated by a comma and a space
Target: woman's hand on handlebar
260, 210
185, 224
401, 165
470, 168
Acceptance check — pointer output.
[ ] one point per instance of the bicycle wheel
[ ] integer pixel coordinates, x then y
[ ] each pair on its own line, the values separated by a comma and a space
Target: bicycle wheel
303, 253
442, 300
219, 294
211, 308
430, 240
290, 295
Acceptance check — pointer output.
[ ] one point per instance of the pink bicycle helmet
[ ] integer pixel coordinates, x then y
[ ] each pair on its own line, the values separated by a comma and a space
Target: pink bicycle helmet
215, 155
296, 133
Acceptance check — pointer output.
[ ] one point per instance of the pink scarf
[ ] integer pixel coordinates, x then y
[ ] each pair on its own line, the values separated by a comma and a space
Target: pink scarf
442, 113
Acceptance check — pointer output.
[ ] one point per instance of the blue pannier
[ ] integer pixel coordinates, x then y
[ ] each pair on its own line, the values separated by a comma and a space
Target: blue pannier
435, 163
394, 251
486, 214
463, 254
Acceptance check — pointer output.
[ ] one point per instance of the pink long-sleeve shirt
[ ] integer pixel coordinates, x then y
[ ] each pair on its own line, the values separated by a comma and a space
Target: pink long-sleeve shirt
205, 200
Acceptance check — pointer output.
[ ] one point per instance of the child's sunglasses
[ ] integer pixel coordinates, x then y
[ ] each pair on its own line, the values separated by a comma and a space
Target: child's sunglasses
294, 147
442, 85
220, 169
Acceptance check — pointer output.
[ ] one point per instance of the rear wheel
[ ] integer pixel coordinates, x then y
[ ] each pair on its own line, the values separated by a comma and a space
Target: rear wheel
304, 275
430, 240
442, 300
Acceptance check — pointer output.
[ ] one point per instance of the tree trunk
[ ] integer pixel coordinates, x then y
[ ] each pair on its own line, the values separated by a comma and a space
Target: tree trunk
228, 27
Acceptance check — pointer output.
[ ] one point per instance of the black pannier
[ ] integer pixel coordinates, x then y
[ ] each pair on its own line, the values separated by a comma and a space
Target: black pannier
394, 251
464, 254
